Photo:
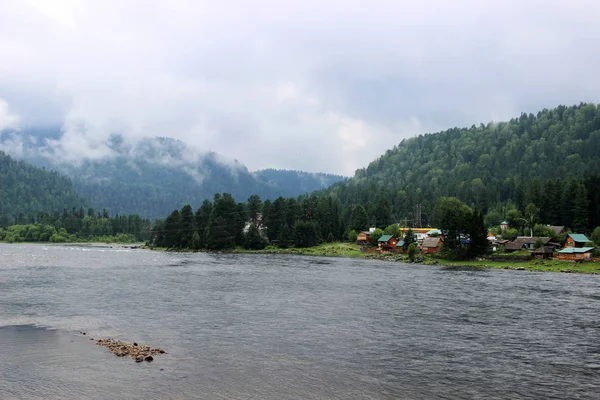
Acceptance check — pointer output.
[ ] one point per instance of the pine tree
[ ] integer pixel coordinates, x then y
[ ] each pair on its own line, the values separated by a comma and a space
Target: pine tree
218, 235
253, 239
382, 213
478, 243
358, 219
187, 227
172, 228
580, 209
202, 218
567, 202
305, 234
223, 226
409, 238
254, 208
285, 236
196, 243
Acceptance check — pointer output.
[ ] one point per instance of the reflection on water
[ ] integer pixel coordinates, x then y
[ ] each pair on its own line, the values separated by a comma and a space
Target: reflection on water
290, 327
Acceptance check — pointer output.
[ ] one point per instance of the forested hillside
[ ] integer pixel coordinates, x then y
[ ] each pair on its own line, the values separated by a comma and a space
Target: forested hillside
549, 159
154, 175
292, 183
25, 190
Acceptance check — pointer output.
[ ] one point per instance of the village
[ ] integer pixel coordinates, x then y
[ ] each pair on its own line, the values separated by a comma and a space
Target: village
565, 246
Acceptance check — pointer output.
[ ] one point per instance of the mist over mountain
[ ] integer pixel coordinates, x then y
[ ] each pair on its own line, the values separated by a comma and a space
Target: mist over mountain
152, 175
25, 190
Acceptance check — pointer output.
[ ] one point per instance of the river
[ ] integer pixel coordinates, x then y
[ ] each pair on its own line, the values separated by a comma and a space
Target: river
290, 327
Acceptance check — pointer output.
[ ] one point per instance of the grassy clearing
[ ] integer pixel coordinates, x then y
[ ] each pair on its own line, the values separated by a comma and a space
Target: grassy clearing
326, 250
533, 265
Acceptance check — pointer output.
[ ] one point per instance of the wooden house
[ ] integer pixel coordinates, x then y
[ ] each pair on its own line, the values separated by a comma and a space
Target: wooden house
431, 245
387, 243
420, 233
576, 240
544, 252
525, 242
504, 226
363, 238
558, 230
576, 254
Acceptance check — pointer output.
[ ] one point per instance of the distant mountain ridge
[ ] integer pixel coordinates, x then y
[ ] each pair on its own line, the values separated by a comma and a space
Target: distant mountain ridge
151, 176
25, 190
485, 165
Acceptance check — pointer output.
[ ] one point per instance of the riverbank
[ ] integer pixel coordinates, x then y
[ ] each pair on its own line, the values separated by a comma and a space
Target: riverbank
340, 249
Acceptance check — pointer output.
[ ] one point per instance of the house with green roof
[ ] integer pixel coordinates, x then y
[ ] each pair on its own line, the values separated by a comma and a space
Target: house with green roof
387, 243
576, 254
577, 240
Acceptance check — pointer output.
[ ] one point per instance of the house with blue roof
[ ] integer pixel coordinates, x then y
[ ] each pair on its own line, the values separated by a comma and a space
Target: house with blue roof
576, 240
574, 248
387, 243
576, 254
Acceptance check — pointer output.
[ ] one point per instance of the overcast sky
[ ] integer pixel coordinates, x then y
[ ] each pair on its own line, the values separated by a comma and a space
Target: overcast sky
316, 85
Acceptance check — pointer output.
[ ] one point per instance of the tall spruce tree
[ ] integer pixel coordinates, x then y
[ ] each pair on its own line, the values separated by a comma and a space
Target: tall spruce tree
358, 219
454, 218
253, 239
580, 209
187, 227
478, 243
172, 229
409, 238
202, 218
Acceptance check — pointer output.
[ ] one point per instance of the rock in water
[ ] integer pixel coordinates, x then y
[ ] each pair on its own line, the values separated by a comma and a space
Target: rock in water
137, 352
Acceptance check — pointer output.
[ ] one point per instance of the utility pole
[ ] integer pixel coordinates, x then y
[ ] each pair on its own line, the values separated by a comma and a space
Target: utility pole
418, 215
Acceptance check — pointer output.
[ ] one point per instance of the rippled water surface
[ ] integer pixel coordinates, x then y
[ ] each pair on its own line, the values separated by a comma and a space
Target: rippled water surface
290, 327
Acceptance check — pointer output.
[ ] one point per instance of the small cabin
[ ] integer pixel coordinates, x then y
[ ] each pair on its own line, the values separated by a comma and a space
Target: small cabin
576, 240
544, 252
504, 226
387, 243
431, 245
363, 238
525, 242
576, 254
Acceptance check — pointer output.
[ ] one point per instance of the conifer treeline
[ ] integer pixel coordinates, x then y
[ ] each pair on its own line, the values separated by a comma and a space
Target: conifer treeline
309, 220
223, 223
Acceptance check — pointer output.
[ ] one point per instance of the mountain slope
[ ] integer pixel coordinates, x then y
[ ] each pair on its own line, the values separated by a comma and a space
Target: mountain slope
25, 190
481, 165
151, 176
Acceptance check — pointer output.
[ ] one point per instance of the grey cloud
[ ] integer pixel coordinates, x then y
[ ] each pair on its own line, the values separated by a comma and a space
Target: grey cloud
313, 85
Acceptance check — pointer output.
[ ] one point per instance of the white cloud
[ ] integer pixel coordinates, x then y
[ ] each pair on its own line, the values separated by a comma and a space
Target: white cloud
320, 86
8, 120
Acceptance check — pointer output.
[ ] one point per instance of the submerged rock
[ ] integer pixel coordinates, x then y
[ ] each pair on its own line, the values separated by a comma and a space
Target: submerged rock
138, 352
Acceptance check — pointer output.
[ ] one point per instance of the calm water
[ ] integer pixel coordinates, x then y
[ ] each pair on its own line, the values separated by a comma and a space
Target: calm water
286, 327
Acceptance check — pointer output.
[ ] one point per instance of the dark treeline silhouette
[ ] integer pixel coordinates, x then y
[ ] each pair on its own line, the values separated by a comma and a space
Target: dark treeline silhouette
223, 223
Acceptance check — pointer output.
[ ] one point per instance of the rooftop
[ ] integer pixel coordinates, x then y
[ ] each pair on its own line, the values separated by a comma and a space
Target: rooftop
579, 237
385, 238
571, 250
431, 242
